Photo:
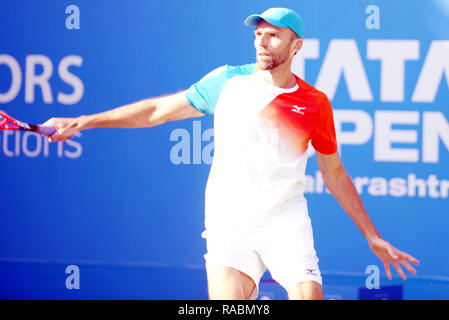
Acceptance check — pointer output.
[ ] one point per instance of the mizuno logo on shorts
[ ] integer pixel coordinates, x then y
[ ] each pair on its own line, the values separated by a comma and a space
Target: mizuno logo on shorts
311, 272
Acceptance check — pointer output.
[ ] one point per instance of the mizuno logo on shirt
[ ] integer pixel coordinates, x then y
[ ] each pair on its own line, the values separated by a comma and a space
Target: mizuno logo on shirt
298, 109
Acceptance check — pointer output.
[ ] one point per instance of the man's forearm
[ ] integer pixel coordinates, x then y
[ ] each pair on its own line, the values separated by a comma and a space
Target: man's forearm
135, 115
342, 188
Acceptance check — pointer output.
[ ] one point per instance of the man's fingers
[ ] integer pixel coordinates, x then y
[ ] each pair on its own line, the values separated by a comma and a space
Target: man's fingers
56, 137
411, 259
60, 135
387, 270
398, 258
407, 266
399, 270
406, 256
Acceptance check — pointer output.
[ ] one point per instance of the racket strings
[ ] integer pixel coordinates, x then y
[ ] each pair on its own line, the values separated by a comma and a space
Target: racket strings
6, 123
3, 121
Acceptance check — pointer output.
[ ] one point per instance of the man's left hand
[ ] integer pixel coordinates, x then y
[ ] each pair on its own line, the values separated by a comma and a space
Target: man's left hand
389, 254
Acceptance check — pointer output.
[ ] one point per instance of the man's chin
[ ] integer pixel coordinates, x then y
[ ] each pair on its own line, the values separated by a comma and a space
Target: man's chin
262, 65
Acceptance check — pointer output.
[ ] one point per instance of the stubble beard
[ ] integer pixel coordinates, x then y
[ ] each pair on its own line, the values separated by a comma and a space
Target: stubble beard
272, 63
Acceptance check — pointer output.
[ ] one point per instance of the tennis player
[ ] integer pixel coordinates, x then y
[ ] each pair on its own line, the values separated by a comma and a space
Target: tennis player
255, 212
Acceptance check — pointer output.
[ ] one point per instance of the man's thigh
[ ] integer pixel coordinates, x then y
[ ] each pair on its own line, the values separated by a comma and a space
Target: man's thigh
226, 283
233, 267
292, 260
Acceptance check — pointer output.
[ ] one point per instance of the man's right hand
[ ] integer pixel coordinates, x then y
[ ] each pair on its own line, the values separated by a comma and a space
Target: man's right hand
65, 128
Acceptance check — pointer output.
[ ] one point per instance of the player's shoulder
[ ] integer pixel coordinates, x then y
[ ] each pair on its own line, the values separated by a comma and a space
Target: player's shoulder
314, 93
244, 69
226, 72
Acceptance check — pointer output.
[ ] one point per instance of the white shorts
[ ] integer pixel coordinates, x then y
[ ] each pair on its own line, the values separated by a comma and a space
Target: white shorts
284, 246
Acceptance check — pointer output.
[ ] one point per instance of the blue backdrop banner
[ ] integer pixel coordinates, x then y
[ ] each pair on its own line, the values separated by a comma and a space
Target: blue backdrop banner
119, 212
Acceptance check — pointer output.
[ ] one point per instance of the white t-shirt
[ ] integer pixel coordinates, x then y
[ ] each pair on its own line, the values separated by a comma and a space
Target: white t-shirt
261, 135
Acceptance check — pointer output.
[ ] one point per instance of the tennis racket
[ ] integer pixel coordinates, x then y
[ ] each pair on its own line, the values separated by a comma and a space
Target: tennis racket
9, 123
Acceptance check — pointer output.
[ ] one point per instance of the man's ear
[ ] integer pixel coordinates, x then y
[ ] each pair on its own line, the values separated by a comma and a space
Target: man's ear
297, 45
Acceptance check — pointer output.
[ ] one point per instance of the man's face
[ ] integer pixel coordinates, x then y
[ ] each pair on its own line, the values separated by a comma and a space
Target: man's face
273, 45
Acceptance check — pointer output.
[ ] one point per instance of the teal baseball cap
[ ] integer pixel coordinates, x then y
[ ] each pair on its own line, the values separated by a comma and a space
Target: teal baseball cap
279, 17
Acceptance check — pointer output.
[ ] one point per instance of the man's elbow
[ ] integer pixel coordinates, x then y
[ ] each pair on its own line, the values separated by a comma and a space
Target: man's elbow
155, 115
154, 122
332, 174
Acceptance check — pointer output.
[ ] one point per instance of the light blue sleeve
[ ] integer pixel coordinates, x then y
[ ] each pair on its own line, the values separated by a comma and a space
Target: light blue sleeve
204, 94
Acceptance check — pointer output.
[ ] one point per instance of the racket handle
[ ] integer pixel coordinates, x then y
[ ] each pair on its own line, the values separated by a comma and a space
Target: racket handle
48, 131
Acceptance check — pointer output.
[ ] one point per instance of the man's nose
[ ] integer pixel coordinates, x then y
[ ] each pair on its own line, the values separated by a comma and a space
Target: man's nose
262, 41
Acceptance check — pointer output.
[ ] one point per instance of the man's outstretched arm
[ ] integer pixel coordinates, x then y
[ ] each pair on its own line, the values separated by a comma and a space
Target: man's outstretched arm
340, 185
145, 113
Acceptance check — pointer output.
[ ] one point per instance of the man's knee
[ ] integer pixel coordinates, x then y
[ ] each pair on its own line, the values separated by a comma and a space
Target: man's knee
226, 283
308, 290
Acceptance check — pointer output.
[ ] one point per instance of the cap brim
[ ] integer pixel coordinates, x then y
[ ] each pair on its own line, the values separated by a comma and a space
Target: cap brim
252, 20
